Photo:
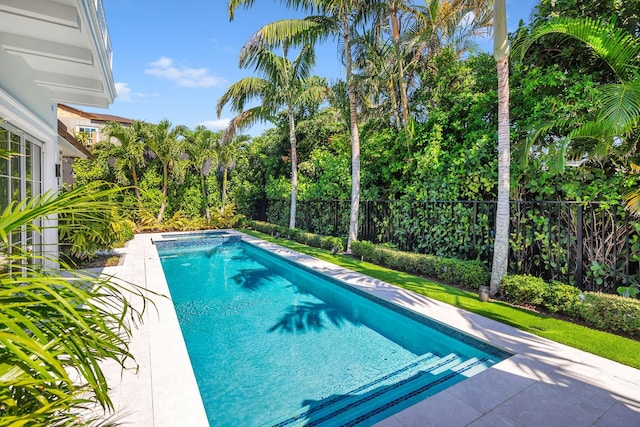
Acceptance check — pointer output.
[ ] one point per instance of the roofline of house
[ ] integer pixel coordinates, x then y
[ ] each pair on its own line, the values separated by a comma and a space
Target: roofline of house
64, 133
96, 116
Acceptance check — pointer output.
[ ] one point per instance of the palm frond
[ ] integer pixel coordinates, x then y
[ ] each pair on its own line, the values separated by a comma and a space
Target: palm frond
615, 46
241, 92
244, 120
620, 106
291, 32
57, 322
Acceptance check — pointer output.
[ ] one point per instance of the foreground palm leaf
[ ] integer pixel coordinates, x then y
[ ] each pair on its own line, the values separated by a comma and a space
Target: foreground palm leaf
57, 325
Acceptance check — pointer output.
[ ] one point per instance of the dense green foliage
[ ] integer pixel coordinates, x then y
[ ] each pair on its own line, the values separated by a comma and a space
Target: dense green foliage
610, 312
524, 289
559, 297
111, 228
178, 184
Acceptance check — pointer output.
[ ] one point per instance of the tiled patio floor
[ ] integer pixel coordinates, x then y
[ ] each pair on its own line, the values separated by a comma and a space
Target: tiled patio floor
544, 384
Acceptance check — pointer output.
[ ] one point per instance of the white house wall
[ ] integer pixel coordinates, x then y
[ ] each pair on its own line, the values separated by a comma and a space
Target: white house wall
50, 52
28, 107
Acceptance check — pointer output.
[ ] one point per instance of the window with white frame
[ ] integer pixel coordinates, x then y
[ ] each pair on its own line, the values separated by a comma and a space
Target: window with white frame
20, 176
88, 135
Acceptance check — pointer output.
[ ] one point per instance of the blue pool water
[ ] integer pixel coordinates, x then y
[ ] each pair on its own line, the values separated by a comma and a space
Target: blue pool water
274, 344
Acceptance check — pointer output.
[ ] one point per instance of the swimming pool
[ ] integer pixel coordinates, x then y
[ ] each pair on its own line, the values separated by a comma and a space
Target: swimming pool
274, 344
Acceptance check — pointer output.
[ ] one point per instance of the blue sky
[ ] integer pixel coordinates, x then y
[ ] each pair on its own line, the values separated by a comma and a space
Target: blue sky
174, 59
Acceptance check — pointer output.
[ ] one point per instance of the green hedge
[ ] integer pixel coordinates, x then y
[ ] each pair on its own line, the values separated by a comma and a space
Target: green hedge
610, 312
561, 298
470, 274
602, 311
316, 240
523, 289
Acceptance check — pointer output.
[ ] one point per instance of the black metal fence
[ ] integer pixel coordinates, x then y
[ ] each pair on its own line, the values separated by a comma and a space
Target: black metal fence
590, 245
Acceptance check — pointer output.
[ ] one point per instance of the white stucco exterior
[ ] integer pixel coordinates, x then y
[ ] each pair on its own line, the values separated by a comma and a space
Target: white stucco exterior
51, 52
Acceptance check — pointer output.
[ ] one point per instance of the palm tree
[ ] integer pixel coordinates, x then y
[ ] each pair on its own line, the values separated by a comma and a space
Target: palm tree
57, 326
228, 153
446, 24
129, 153
167, 144
285, 85
339, 18
378, 83
501, 241
202, 147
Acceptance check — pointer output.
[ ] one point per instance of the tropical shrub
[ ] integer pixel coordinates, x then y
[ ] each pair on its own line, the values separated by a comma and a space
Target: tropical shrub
226, 218
57, 325
524, 289
82, 239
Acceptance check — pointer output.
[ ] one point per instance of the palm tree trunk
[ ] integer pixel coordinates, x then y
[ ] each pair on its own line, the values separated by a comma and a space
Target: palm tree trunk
136, 188
294, 169
165, 187
395, 32
203, 185
501, 242
394, 103
224, 189
355, 141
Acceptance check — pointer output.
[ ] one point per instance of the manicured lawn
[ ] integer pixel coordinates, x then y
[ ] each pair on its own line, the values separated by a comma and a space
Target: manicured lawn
610, 346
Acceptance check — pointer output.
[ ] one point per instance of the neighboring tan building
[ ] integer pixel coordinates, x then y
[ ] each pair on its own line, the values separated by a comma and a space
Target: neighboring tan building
70, 150
87, 124
86, 129
50, 52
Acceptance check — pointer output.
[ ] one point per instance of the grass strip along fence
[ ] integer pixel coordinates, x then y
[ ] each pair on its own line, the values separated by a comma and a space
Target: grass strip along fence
604, 344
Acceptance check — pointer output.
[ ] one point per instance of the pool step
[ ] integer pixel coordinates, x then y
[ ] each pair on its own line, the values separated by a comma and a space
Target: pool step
420, 386
415, 381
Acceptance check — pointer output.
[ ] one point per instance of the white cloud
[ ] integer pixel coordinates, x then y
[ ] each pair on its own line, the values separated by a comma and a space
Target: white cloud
216, 124
146, 95
183, 76
124, 91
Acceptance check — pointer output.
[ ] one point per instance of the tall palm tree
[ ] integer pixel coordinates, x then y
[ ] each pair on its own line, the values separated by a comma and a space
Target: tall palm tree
202, 147
129, 153
441, 24
336, 18
228, 152
379, 81
57, 326
501, 55
390, 17
285, 85
166, 142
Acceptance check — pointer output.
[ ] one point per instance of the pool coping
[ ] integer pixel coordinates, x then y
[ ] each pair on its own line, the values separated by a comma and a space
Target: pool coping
544, 383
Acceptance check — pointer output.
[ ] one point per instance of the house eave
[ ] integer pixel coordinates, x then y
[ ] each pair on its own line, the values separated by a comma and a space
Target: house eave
65, 43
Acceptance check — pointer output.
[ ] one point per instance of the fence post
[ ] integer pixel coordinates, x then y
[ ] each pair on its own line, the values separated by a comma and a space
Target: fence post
579, 247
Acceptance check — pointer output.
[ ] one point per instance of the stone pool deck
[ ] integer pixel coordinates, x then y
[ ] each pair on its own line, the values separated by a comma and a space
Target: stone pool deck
543, 384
